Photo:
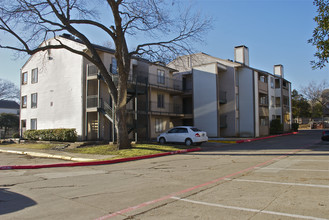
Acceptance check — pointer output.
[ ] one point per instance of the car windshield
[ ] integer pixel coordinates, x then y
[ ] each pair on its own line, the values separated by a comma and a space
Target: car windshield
195, 129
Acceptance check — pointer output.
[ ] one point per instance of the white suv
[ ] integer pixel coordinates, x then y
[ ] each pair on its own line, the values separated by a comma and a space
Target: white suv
183, 134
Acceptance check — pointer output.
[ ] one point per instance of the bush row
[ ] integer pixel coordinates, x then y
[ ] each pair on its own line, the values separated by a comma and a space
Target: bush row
61, 134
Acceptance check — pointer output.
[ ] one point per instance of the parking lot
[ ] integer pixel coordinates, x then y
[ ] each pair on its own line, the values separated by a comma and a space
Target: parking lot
279, 178
291, 184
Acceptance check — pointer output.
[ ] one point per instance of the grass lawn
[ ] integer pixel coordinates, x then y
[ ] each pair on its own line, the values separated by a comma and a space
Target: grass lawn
136, 150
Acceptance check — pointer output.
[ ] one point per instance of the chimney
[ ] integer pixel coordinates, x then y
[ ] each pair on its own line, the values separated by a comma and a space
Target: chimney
278, 70
241, 55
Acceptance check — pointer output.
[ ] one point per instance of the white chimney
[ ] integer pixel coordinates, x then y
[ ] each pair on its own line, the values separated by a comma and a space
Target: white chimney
278, 70
241, 55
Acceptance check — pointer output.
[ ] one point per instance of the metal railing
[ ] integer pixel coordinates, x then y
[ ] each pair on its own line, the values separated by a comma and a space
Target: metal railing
92, 101
168, 108
165, 82
92, 70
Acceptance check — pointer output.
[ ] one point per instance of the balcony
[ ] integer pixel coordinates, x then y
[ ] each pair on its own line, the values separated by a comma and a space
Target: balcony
166, 108
166, 83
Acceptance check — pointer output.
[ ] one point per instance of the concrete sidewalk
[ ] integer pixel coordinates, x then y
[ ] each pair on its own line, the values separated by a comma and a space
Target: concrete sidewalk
54, 154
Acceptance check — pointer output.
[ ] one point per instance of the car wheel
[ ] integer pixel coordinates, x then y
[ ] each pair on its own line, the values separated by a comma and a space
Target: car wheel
188, 142
162, 140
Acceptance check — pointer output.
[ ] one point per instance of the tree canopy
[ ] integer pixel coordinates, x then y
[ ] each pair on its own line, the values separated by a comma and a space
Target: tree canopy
8, 90
167, 30
320, 37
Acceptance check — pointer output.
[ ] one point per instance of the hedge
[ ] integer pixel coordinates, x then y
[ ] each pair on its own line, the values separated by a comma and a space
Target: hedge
61, 134
276, 127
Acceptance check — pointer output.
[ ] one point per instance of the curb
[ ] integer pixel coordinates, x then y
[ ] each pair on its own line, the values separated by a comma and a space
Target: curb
92, 163
253, 139
45, 155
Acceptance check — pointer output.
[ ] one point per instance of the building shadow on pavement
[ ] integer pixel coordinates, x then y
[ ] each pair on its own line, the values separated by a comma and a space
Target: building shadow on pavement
13, 202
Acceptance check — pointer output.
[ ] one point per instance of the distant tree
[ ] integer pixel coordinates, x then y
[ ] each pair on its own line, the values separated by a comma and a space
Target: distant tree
315, 93
8, 91
300, 106
162, 31
8, 121
320, 37
317, 110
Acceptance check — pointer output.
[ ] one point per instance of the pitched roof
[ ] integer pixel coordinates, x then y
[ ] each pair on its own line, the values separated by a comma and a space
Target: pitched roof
9, 104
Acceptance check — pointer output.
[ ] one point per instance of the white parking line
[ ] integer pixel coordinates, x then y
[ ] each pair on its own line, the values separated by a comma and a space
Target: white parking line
249, 210
313, 161
307, 170
280, 183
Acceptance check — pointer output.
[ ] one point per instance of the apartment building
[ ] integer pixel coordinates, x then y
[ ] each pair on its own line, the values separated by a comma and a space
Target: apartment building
229, 98
60, 89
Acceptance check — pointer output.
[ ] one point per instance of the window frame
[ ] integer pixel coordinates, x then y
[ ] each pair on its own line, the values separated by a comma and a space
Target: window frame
114, 66
34, 104
158, 125
24, 101
34, 75
161, 76
24, 78
160, 100
34, 121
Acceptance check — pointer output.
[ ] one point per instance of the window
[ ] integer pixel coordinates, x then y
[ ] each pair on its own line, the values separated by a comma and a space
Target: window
160, 101
263, 100
34, 78
34, 124
277, 102
23, 124
263, 121
24, 78
34, 100
262, 79
161, 76
114, 66
158, 125
272, 101
273, 117
277, 83
285, 100
182, 130
272, 82
284, 83
24, 101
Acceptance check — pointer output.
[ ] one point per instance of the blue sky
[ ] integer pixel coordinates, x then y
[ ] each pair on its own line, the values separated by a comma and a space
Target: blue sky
275, 31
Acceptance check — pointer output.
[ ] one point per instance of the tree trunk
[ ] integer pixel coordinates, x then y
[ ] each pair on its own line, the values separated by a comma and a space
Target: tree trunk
120, 113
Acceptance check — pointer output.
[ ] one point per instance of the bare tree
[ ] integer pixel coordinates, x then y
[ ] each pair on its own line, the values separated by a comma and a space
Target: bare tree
170, 30
8, 91
317, 93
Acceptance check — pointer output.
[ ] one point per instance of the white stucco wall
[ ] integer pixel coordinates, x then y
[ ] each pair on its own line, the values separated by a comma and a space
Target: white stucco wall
205, 99
59, 89
256, 104
246, 102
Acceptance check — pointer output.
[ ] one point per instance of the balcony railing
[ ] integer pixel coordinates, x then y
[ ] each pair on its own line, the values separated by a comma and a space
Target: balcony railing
92, 70
165, 82
92, 101
168, 108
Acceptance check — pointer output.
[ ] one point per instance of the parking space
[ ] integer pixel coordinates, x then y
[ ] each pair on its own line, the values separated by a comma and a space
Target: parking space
293, 187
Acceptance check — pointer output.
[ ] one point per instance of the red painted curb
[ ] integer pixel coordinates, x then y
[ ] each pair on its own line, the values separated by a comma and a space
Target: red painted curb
96, 162
267, 137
